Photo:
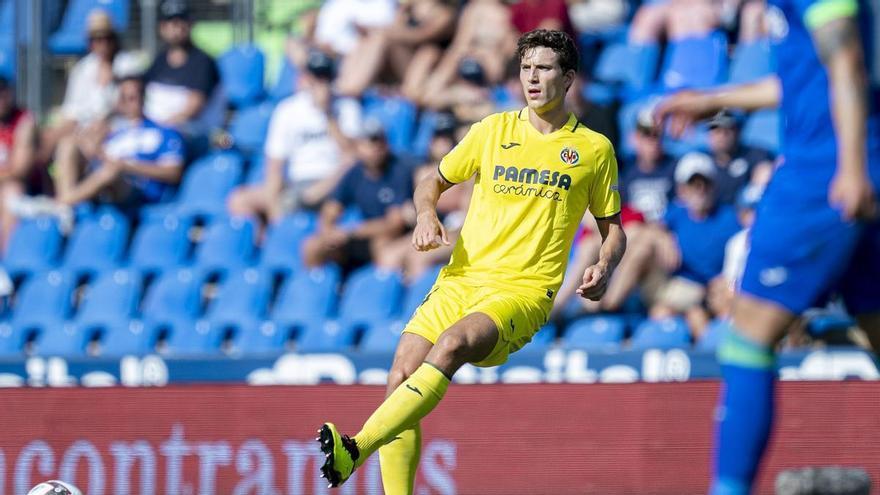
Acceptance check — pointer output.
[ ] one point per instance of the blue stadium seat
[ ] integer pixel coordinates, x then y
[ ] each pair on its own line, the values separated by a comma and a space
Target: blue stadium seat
751, 61
243, 297
127, 337
417, 291
249, 127
42, 300
65, 339
596, 333
320, 335
382, 336
285, 84
12, 340
259, 338
712, 336
624, 71
256, 173
307, 295
829, 322
242, 70
281, 248
207, 184
761, 130
228, 244
695, 62
544, 338
98, 242
423, 133
7, 39
661, 334
160, 244
371, 294
174, 295
193, 338
110, 299
398, 118
34, 246
71, 37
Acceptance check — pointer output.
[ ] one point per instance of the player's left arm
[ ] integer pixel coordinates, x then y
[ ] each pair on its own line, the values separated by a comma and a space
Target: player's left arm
596, 276
835, 31
605, 207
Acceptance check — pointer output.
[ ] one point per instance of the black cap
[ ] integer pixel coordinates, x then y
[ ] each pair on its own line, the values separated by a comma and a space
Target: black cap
320, 65
471, 70
173, 9
445, 124
723, 119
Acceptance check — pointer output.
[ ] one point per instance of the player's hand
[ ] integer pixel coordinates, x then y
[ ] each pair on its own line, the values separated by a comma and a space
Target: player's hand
429, 233
595, 282
852, 194
681, 110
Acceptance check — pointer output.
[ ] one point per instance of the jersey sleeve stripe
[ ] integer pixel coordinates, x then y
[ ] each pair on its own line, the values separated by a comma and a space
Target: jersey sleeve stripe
606, 217
443, 176
821, 13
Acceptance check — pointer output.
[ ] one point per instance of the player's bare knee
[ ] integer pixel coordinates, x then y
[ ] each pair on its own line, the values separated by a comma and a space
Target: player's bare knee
453, 346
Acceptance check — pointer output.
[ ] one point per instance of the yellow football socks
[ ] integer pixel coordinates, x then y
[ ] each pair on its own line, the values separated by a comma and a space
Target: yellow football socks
405, 407
399, 460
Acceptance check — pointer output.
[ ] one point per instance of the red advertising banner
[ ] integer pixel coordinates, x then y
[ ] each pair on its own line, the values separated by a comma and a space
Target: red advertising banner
482, 440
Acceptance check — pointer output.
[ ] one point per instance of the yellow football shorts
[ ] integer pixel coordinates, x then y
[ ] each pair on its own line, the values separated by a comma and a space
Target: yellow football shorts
518, 315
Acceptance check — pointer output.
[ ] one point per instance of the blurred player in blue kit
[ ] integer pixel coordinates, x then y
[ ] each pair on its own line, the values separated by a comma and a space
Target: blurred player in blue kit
817, 230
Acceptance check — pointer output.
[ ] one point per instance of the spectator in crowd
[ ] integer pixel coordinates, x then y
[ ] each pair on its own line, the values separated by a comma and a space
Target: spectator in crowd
377, 186
736, 162
341, 24
600, 118
720, 295
647, 183
91, 90
136, 163
451, 207
17, 150
308, 147
690, 244
673, 20
485, 33
469, 97
597, 16
529, 15
409, 48
182, 80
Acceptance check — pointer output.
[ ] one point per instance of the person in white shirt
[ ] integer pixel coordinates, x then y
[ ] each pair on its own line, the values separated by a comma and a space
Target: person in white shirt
91, 91
308, 147
340, 23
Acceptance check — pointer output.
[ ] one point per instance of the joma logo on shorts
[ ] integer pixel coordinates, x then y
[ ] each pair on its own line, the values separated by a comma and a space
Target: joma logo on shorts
532, 176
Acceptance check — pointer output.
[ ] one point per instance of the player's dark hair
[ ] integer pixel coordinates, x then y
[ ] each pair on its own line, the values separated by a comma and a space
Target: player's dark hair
558, 41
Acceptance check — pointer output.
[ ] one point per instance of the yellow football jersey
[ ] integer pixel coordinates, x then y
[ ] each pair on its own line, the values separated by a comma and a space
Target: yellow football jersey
531, 191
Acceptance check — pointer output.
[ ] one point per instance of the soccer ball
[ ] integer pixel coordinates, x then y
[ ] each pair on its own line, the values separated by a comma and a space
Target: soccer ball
54, 487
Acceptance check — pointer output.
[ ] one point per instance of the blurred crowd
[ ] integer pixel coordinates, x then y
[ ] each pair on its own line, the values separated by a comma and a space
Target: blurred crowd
128, 127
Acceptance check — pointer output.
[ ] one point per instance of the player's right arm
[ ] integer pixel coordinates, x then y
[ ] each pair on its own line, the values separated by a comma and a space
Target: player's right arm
429, 232
458, 165
684, 108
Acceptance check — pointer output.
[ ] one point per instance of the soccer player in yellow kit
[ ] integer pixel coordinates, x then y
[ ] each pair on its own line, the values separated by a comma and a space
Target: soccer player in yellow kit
536, 170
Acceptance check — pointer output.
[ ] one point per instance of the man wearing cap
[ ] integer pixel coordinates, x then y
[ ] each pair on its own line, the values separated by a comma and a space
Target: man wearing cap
690, 244
736, 162
646, 182
308, 146
377, 186
182, 79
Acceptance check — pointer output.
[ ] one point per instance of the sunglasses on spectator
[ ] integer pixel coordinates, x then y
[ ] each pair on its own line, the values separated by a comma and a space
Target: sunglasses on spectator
101, 37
